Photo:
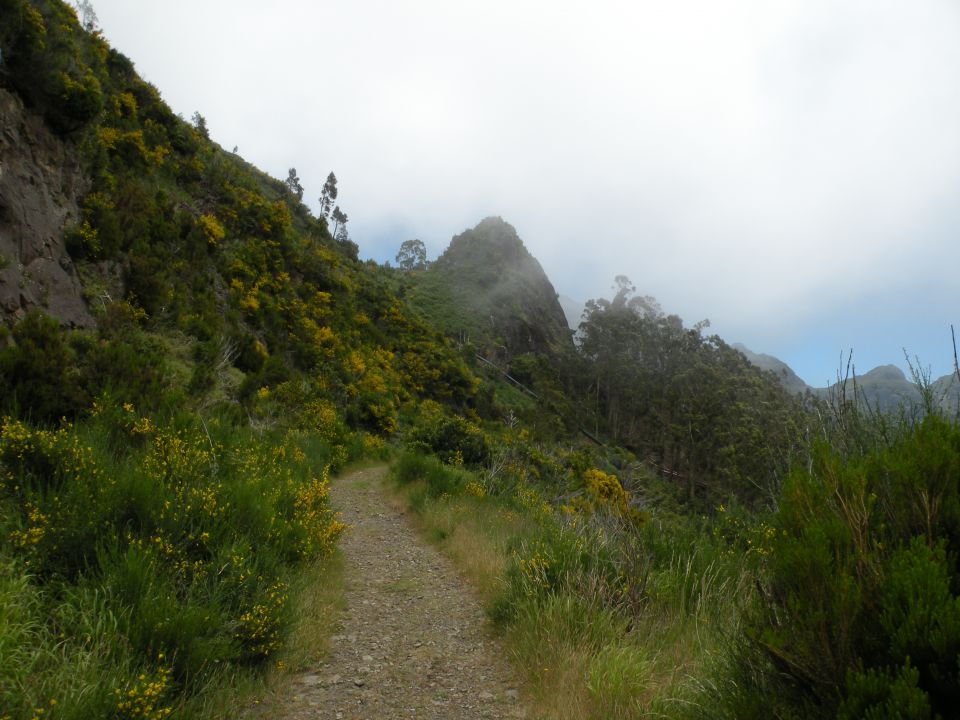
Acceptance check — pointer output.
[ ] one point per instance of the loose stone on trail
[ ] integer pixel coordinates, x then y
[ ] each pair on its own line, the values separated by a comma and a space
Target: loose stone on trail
414, 640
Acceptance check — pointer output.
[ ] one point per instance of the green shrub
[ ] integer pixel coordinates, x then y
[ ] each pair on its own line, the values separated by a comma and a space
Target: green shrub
439, 479
127, 368
453, 439
862, 615
885, 695
184, 536
81, 101
35, 371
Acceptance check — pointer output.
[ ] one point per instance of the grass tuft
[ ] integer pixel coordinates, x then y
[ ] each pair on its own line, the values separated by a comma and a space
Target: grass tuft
604, 619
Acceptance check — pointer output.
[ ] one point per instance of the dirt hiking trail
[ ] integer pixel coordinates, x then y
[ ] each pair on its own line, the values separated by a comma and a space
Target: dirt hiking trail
413, 641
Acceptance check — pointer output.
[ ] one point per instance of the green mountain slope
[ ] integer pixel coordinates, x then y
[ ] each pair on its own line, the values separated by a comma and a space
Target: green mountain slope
185, 355
164, 239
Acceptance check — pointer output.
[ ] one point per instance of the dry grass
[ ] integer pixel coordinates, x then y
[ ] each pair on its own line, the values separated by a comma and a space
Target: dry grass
476, 539
583, 664
580, 660
319, 600
474, 534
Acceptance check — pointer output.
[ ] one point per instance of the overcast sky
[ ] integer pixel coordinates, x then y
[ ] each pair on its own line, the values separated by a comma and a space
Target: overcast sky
789, 170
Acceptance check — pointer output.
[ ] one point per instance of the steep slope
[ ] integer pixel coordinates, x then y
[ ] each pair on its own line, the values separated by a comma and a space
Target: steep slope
206, 275
573, 310
489, 289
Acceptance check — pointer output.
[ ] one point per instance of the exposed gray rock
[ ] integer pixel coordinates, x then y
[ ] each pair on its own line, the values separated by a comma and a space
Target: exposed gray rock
499, 294
40, 183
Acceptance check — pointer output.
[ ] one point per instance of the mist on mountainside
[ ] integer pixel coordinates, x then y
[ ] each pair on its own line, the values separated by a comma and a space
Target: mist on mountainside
572, 311
487, 288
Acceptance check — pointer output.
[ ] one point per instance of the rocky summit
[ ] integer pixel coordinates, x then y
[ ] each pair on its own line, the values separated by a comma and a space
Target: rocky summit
487, 287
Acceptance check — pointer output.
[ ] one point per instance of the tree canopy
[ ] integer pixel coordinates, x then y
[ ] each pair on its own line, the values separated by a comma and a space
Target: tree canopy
686, 401
412, 255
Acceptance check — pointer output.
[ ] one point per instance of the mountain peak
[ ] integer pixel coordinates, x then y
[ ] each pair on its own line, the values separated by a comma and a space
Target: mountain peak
788, 378
493, 238
886, 373
488, 285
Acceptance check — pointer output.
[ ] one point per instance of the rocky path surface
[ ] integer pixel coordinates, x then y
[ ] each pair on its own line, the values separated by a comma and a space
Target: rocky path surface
413, 641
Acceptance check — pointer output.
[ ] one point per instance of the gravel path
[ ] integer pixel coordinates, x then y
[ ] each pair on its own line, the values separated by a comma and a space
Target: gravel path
413, 641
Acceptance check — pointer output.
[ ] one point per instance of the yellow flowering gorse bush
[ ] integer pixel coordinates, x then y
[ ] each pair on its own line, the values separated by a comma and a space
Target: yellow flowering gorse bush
189, 535
144, 698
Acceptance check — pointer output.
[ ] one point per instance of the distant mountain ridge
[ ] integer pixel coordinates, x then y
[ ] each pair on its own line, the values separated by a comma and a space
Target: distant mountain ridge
885, 386
788, 378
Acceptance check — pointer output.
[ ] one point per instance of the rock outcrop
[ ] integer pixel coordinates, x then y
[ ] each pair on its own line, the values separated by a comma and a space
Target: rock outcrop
40, 183
498, 292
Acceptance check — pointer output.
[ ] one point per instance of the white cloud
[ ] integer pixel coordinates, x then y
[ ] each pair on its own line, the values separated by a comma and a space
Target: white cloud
761, 163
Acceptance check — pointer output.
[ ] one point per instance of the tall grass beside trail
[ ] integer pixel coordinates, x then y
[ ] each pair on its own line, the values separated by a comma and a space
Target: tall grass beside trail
607, 614
143, 566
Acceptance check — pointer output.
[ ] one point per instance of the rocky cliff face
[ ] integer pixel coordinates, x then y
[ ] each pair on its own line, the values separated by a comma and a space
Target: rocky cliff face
40, 182
498, 292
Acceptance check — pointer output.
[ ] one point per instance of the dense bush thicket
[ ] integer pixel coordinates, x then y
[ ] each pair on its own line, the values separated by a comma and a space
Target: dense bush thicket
140, 561
49, 61
46, 374
860, 610
203, 247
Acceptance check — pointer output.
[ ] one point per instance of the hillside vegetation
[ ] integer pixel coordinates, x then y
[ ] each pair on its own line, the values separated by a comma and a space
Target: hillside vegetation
164, 473
657, 526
